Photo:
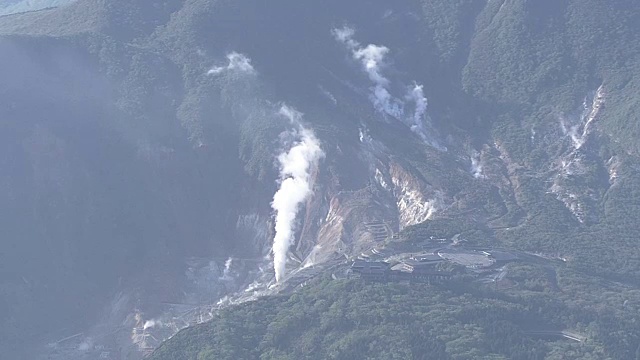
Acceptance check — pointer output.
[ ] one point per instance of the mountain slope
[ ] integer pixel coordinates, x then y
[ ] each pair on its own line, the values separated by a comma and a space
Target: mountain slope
341, 319
142, 144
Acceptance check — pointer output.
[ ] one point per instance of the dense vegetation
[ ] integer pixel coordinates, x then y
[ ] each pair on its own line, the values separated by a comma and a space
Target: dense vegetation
118, 152
350, 319
521, 65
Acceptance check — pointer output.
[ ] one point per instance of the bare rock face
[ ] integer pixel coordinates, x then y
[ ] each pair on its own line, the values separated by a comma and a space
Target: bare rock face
577, 161
416, 201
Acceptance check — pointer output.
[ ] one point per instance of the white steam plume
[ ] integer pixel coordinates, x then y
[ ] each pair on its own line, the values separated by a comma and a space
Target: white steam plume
573, 133
476, 165
237, 62
295, 186
151, 323
416, 124
371, 57
226, 273
86, 345
591, 106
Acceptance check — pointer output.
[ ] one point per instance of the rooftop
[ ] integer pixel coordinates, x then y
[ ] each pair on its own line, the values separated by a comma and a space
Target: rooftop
362, 265
468, 258
427, 258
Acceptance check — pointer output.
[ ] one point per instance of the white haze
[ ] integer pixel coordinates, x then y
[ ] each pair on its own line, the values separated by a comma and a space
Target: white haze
580, 131
416, 94
237, 62
573, 133
372, 60
295, 186
476, 165
151, 323
85, 345
328, 95
226, 273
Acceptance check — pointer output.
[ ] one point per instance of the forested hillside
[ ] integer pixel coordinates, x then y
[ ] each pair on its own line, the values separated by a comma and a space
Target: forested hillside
148, 148
342, 319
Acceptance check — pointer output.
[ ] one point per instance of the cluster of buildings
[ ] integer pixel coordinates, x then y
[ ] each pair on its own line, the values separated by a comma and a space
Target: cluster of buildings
423, 267
413, 271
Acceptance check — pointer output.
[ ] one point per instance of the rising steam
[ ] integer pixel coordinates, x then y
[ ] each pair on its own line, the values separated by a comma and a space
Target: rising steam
416, 94
591, 106
237, 62
295, 186
371, 58
476, 165
226, 273
151, 323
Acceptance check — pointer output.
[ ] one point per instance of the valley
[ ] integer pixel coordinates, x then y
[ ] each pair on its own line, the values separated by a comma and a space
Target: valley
171, 171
